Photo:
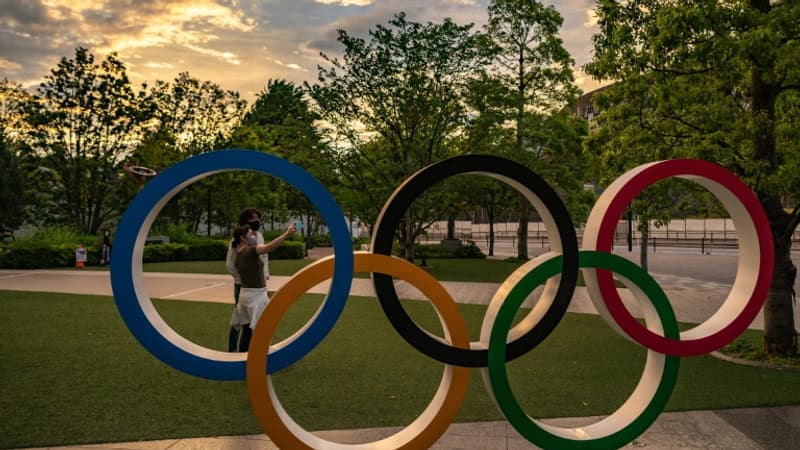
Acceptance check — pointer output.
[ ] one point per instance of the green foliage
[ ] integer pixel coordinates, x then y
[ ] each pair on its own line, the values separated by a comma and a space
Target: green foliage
750, 347
165, 252
207, 250
62, 235
55, 247
272, 234
358, 241
470, 250
49, 247
38, 255
84, 119
289, 250
433, 251
212, 250
533, 83
11, 188
532, 64
716, 81
406, 85
195, 116
322, 240
189, 116
282, 123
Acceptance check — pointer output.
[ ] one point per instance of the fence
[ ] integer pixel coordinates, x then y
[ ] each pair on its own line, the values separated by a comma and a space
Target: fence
704, 242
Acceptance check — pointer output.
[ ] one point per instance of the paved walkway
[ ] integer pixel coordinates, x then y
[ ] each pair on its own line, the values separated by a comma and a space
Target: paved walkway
735, 429
694, 298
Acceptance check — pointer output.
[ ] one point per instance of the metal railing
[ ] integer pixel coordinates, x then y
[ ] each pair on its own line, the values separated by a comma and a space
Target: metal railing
703, 242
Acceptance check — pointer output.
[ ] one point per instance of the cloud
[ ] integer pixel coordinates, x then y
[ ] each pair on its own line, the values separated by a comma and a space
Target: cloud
10, 66
159, 65
228, 57
290, 66
38, 32
359, 24
346, 2
217, 39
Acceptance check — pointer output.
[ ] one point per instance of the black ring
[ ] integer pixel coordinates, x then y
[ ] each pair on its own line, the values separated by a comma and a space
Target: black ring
507, 170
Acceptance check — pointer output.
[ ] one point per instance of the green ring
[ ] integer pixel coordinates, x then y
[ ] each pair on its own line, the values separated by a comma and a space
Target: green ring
498, 375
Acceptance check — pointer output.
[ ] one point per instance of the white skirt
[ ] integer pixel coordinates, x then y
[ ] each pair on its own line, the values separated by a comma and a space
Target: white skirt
252, 302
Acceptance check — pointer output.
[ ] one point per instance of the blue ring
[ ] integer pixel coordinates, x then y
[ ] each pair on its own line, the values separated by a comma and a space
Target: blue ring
128, 246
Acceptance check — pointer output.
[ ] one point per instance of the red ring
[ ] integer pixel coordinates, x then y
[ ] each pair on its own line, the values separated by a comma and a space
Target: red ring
646, 176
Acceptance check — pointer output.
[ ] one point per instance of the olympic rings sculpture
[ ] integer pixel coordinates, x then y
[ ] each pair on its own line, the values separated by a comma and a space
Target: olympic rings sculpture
499, 341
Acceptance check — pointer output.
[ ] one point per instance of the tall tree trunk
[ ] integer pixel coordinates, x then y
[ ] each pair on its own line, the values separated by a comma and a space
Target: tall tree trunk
408, 238
780, 335
491, 232
308, 233
524, 204
522, 228
645, 241
451, 226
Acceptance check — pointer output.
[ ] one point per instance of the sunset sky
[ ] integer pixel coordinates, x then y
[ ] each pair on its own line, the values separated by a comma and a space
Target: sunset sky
239, 44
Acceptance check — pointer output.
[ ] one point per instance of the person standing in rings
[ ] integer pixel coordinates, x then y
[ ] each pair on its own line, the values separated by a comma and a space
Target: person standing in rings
252, 274
247, 216
251, 217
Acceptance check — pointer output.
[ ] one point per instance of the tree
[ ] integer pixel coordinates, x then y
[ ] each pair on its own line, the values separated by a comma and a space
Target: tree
281, 122
536, 71
11, 189
14, 107
395, 102
190, 116
85, 120
199, 115
718, 81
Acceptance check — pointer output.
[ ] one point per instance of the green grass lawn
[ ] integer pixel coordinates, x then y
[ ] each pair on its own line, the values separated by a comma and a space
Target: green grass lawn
72, 373
476, 270
482, 270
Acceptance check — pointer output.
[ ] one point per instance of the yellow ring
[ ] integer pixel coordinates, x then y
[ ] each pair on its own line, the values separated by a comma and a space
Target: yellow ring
431, 423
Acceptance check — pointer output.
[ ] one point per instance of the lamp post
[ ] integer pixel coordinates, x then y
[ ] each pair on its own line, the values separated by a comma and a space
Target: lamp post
630, 228
140, 174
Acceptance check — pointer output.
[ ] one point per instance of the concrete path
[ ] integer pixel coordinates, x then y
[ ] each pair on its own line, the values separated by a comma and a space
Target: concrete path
735, 429
694, 299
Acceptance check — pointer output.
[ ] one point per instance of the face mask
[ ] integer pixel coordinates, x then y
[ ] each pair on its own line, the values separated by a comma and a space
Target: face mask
252, 239
255, 225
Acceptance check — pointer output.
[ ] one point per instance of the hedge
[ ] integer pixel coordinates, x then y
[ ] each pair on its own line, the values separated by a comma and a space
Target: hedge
289, 250
468, 250
40, 255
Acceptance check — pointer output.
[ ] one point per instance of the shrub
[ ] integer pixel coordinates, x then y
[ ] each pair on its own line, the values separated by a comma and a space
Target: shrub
289, 250
32, 254
62, 235
177, 233
37, 254
165, 252
207, 250
357, 241
272, 234
470, 250
322, 240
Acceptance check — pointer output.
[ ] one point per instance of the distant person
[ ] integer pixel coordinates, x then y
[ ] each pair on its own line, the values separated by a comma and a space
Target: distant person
105, 252
252, 291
